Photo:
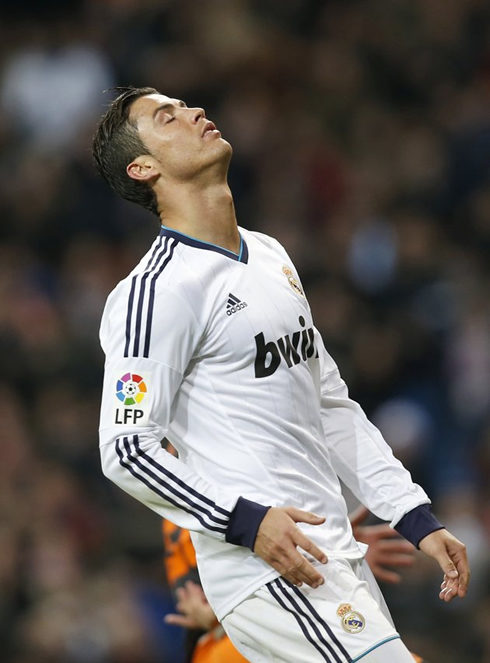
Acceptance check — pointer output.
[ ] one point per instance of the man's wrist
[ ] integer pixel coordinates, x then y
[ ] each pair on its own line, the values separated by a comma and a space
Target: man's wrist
244, 522
417, 524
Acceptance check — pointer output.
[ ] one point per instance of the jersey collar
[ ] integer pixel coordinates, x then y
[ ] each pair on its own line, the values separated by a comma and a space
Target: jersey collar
200, 244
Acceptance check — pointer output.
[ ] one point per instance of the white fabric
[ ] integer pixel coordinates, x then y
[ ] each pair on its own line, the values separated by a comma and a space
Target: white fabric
276, 625
278, 440
390, 652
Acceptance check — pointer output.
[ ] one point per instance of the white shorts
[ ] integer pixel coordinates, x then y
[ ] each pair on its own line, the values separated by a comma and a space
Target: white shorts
343, 621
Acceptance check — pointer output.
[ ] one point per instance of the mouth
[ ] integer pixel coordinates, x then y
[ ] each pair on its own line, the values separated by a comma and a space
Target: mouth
210, 130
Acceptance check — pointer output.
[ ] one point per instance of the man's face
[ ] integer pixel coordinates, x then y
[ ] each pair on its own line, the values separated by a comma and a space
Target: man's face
182, 140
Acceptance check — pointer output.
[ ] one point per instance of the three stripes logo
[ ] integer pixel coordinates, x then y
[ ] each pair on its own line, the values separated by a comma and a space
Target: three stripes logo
233, 305
158, 478
141, 301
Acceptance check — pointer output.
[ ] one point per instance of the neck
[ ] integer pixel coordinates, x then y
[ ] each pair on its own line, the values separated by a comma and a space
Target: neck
207, 214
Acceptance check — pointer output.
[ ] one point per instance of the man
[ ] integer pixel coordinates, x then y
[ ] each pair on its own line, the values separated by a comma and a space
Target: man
210, 341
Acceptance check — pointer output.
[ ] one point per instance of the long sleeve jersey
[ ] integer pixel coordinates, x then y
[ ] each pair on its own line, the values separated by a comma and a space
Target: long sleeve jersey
217, 351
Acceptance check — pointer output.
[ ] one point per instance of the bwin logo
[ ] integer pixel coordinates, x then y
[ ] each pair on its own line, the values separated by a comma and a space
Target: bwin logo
293, 349
234, 304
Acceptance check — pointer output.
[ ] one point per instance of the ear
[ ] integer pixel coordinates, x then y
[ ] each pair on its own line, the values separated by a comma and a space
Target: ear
143, 169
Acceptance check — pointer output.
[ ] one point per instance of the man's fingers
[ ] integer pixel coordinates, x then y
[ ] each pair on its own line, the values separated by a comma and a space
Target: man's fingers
447, 565
395, 559
179, 620
455, 583
300, 516
396, 546
463, 569
436, 545
298, 570
301, 569
308, 546
449, 589
381, 531
386, 575
276, 542
453, 560
182, 593
194, 591
308, 574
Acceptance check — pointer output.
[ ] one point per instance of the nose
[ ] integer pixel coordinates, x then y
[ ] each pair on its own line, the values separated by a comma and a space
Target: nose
197, 114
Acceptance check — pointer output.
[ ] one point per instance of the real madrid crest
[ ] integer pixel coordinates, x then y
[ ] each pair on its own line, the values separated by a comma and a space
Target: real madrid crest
293, 282
350, 620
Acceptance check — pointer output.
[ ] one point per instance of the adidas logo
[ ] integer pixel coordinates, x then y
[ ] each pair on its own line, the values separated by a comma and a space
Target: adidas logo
234, 304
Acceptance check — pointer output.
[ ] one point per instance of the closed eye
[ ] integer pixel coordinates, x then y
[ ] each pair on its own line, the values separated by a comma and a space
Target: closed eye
168, 107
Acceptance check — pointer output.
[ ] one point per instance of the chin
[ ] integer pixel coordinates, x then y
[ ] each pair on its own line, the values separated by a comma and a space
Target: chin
225, 147
220, 154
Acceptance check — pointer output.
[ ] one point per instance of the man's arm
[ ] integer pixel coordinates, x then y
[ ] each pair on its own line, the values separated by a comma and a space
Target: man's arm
366, 464
132, 456
150, 334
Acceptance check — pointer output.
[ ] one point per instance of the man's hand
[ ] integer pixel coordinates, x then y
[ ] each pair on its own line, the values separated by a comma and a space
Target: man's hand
195, 611
276, 542
452, 558
386, 547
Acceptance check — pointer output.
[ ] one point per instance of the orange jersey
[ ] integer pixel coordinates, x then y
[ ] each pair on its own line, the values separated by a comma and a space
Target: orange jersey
180, 557
216, 647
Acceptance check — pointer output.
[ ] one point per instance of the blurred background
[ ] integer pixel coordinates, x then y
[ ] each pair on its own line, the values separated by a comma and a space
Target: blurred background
361, 134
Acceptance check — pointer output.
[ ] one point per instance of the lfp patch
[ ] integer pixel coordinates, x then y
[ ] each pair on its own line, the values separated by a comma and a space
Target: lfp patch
131, 389
350, 620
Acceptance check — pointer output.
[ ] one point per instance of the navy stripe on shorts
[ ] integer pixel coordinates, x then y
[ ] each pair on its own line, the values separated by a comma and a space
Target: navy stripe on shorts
314, 627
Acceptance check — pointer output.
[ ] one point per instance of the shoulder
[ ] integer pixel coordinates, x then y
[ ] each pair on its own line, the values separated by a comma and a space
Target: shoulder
163, 272
266, 241
157, 286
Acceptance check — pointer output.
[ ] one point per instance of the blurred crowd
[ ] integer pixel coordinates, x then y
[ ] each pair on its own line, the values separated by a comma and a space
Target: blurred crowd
361, 135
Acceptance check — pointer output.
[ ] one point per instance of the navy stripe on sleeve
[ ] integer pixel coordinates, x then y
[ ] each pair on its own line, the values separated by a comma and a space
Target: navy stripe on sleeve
131, 297
179, 481
129, 316
151, 299
139, 316
128, 458
141, 298
156, 490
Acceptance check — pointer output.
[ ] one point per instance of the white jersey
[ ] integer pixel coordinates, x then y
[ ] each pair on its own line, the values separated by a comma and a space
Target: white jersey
218, 353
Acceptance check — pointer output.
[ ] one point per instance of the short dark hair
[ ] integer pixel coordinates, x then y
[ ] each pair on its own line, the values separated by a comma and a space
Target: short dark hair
117, 142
